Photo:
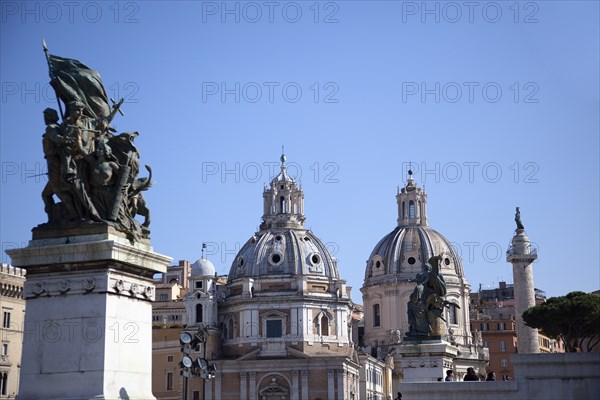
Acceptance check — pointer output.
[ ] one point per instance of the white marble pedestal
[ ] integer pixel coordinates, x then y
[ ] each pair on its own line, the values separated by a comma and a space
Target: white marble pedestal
426, 360
88, 319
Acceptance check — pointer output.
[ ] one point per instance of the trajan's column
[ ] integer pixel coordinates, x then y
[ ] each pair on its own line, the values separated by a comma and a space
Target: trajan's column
521, 255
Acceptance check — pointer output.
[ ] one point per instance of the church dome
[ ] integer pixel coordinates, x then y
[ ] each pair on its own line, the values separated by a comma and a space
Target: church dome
203, 267
401, 254
288, 252
282, 246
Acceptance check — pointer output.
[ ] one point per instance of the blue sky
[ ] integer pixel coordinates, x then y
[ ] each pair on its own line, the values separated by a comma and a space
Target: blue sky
495, 104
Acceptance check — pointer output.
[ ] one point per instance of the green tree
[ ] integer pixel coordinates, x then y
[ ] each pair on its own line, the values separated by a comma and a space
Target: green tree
574, 319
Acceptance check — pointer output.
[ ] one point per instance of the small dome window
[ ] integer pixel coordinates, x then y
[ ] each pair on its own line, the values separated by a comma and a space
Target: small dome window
378, 264
315, 259
241, 262
447, 261
276, 258
278, 238
306, 238
411, 260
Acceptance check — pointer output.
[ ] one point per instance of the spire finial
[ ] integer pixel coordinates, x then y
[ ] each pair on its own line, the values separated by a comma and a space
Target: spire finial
410, 172
282, 158
203, 249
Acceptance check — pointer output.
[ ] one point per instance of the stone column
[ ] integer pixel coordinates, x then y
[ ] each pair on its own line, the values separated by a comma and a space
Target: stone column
341, 378
521, 256
295, 387
330, 385
88, 325
243, 390
304, 385
253, 388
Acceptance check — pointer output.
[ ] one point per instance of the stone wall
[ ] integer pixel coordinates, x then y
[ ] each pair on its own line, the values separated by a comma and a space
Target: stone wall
566, 376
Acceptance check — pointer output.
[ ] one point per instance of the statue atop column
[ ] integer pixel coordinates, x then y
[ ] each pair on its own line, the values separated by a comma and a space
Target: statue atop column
92, 170
518, 219
427, 301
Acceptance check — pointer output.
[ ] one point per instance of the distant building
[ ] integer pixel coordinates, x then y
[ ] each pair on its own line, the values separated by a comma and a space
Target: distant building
280, 326
390, 280
493, 317
12, 312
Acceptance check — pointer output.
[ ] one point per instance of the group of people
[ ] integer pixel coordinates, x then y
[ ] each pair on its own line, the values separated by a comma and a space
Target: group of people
92, 172
471, 376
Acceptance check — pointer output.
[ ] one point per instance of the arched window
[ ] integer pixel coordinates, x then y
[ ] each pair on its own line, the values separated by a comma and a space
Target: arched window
411, 209
420, 210
376, 315
282, 204
324, 325
199, 310
403, 209
452, 314
230, 329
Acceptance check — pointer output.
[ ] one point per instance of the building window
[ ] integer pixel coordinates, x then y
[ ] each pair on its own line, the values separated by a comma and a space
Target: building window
230, 329
6, 319
403, 209
4, 349
163, 297
3, 383
485, 326
169, 381
503, 362
486, 344
196, 395
411, 209
199, 284
376, 315
324, 322
199, 313
452, 314
503, 346
274, 328
501, 326
170, 359
282, 204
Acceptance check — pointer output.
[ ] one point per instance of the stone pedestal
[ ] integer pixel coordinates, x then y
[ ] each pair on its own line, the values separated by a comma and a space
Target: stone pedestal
88, 320
426, 360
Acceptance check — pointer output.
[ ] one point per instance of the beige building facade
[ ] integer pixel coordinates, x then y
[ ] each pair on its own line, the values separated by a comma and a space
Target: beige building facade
12, 312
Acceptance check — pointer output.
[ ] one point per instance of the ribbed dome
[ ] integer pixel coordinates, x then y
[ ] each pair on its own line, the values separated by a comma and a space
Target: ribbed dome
403, 252
203, 267
287, 252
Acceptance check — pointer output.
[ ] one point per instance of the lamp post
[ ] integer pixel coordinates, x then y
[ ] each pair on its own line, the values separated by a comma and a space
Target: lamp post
195, 367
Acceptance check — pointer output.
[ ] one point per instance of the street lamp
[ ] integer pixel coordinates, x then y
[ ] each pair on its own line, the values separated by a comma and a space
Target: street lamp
191, 366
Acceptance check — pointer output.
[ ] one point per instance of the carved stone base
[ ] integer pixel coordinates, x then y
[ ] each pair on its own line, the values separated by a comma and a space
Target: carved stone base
88, 317
426, 360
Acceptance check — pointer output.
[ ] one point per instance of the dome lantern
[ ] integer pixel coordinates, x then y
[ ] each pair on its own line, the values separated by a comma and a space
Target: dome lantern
412, 204
283, 202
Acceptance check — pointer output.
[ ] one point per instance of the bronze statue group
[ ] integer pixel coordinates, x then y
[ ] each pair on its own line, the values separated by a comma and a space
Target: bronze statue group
92, 170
